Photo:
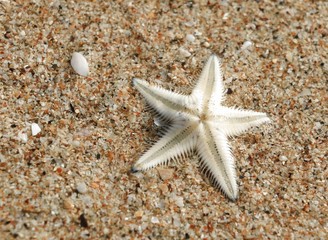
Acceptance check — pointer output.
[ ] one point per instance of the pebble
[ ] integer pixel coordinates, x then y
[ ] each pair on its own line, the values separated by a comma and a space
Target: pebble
80, 64
106, 231
184, 53
87, 200
289, 56
154, 220
189, 24
282, 158
163, 188
179, 201
165, 173
190, 38
317, 125
246, 45
22, 137
305, 92
35, 128
198, 33
176, 221
68, 204
2, 158
138, 214
81, 187
206, 44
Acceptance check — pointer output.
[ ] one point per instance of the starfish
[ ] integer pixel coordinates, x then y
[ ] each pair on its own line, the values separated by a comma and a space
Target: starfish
198, 122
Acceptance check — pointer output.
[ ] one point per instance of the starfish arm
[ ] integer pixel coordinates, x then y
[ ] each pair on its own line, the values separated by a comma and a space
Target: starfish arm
217, 161
236, 121
209, 88
178, 141
168, 104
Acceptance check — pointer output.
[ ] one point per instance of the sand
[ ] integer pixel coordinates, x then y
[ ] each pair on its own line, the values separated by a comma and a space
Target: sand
72, 180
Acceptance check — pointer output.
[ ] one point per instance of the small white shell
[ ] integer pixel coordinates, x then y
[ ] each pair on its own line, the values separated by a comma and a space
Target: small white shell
80, 64
35, 129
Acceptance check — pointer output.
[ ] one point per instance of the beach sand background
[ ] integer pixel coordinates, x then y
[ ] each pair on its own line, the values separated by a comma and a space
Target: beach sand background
73, 180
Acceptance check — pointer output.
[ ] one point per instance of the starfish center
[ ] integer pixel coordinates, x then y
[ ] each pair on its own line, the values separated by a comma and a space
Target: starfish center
203, 117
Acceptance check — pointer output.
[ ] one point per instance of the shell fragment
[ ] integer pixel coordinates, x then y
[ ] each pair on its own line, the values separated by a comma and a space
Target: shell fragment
35, 129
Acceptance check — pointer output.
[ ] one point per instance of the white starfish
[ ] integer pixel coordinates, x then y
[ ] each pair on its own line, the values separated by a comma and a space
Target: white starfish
198, 122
